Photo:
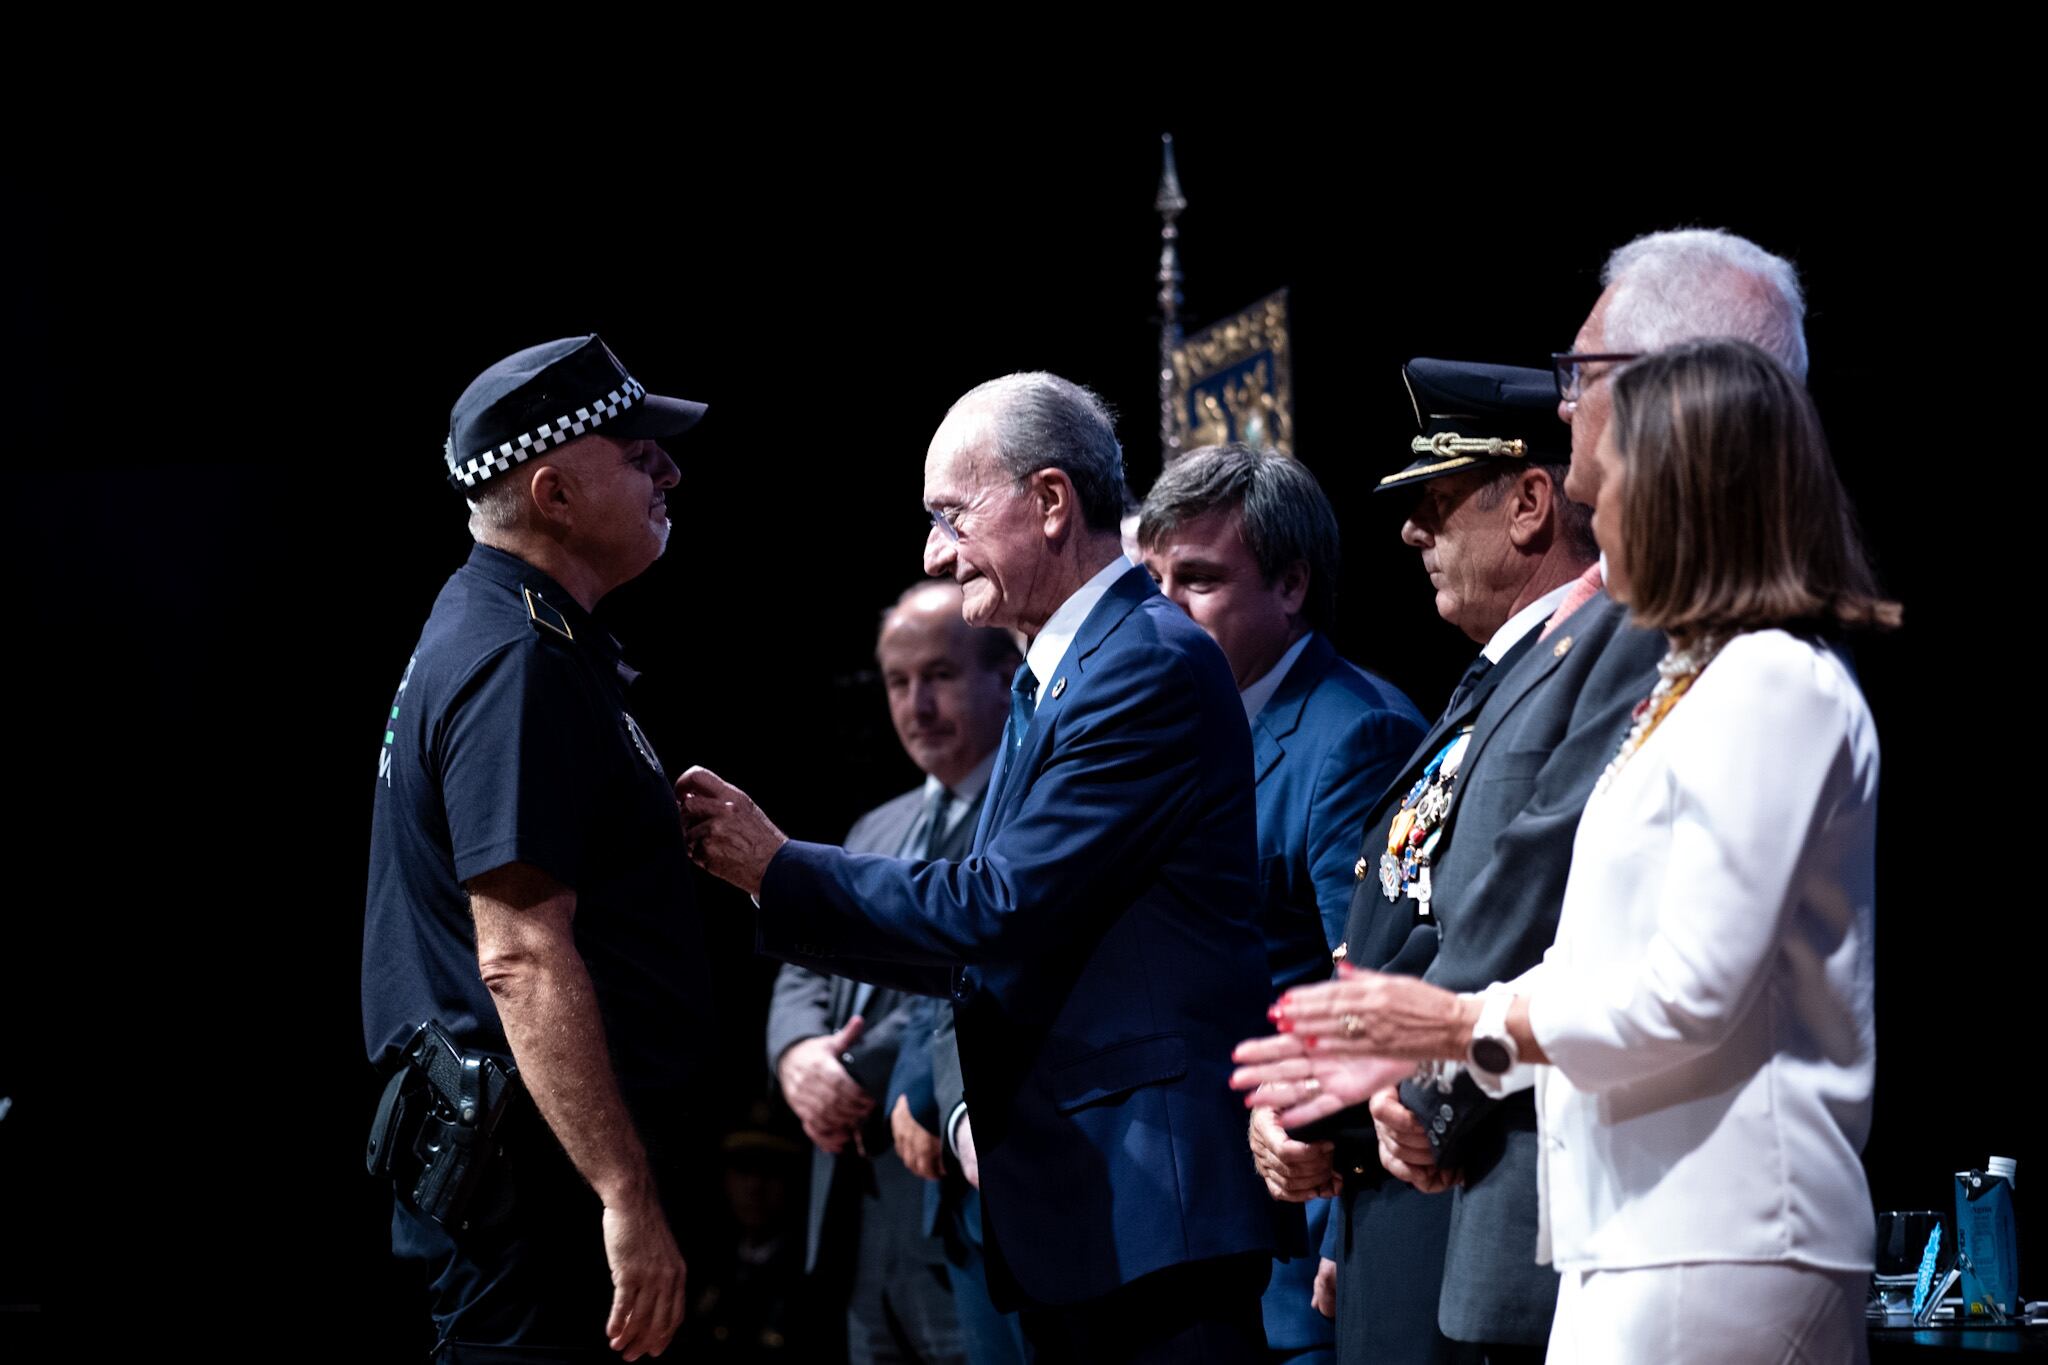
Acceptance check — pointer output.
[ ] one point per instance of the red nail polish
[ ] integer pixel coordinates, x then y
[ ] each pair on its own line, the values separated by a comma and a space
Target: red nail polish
1308, 1042
1274, 1012
1284, 1024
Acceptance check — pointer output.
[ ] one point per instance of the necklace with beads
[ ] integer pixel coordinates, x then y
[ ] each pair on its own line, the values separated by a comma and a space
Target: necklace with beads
1676, 673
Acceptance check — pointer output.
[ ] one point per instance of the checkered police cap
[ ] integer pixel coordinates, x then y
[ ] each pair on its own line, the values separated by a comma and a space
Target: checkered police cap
538, 398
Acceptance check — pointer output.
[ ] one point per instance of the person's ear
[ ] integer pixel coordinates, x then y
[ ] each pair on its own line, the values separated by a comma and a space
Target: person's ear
1057, 502
1530, 501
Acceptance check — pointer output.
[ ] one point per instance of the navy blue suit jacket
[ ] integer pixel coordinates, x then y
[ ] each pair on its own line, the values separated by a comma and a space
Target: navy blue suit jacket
1100, 950
1330, 740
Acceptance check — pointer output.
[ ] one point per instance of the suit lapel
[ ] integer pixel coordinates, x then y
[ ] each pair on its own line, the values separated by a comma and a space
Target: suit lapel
1267, 750
1119, 602
1446, 725
1540, 659
1450, 721
1281, 716
986, 812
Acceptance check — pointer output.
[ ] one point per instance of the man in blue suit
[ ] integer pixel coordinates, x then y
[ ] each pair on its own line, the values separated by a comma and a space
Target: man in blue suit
1098, 943
1245, 542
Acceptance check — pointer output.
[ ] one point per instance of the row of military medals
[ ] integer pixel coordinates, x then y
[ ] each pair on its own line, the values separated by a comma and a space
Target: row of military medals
1419, 826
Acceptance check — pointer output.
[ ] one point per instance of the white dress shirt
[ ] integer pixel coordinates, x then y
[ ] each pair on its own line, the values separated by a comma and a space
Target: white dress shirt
1259, 693
1522, 622
1707, 1007
1049, 648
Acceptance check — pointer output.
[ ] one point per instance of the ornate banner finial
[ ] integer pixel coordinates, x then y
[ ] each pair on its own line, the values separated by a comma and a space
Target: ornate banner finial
1170, 203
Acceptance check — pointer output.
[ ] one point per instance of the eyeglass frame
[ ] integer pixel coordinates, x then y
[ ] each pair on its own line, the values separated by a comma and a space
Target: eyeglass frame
1559, 360
943, 519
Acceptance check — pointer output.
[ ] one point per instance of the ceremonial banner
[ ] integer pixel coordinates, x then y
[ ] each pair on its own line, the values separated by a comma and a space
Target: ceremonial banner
1234, 381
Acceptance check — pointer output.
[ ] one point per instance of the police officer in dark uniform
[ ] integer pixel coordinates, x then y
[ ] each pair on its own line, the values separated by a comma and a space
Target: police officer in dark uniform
531, 959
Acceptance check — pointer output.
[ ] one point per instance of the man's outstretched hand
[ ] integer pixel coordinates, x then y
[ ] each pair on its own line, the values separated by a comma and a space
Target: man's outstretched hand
728, 835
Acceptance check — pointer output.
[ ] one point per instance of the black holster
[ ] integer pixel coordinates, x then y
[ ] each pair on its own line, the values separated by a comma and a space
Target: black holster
436, 1133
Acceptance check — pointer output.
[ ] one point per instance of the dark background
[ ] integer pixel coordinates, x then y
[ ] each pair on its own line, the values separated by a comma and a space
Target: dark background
238, 370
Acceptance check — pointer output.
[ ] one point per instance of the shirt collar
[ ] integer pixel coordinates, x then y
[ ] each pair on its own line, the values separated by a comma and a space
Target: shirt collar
1261, 692
1524, 621
1060, 629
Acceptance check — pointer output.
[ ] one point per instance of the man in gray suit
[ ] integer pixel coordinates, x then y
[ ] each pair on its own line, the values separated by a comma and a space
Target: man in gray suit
834, 1042
1503, 549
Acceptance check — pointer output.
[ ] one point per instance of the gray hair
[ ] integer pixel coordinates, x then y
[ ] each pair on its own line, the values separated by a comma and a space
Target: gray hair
1041, 421
1574, 520
501, 504
1678, 286
1286, 516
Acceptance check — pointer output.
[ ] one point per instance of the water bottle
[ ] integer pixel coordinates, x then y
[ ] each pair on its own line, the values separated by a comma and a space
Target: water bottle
1984, 1228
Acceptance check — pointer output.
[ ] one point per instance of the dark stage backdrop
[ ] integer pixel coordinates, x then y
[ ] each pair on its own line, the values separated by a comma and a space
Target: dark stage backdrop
241, 379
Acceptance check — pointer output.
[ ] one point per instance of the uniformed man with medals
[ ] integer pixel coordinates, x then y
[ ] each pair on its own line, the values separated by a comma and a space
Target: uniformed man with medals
1503, 551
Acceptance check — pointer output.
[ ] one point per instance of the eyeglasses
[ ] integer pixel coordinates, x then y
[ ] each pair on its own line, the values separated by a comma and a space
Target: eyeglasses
1569, 369
948, 519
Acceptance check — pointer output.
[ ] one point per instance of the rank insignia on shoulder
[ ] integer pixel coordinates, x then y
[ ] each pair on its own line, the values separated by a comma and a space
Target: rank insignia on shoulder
1557, 651
545, 617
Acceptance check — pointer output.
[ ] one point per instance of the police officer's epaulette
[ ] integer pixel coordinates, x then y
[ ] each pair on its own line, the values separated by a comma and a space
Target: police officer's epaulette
544, 617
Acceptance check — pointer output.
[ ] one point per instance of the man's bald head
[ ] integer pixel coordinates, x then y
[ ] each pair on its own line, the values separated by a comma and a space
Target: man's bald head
948, 682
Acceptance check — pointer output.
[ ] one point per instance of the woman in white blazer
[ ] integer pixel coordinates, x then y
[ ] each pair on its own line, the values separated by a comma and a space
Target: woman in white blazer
1701, 1034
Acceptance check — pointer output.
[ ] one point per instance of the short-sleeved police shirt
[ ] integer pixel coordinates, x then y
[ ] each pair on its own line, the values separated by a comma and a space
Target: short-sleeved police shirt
509, 741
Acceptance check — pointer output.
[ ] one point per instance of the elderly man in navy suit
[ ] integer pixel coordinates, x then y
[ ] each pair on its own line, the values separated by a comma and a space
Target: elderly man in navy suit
1245, 542
1099, 941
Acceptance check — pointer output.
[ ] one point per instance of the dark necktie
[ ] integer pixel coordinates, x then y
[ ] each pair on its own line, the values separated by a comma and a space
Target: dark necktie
1023, 706
930, 826
1479, 668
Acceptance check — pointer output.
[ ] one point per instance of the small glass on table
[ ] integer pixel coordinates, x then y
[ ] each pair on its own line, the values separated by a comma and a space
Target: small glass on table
1902, 1238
